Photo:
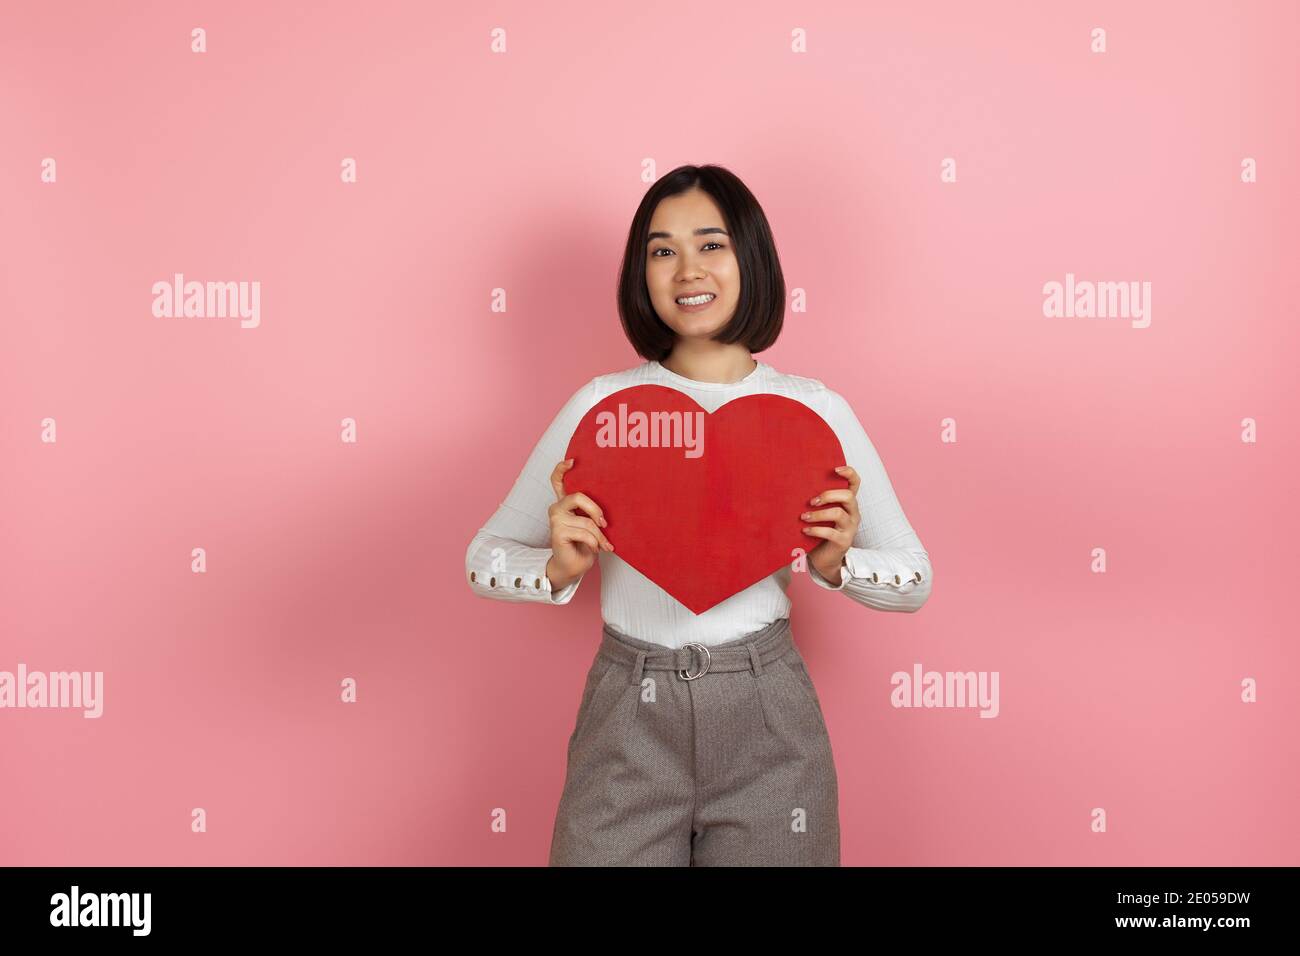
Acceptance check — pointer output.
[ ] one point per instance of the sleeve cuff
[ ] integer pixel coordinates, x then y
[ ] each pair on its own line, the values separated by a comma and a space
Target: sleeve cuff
821, 579
563, 595
525, 580
858, 567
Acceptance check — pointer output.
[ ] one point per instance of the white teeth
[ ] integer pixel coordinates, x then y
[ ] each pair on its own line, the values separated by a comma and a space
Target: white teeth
697, 300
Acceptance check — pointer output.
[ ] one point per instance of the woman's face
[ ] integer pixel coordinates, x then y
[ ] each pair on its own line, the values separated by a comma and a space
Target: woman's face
689, 251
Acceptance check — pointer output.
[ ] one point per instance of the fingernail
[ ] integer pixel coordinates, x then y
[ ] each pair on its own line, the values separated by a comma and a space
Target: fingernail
604, 523
804, 516
816, 500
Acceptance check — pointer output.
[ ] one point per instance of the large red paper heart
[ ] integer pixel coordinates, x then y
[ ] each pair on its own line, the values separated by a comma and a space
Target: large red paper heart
704, 519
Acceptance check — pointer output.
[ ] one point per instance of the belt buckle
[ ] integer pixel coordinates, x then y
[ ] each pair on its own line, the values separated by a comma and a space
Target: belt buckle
708, 659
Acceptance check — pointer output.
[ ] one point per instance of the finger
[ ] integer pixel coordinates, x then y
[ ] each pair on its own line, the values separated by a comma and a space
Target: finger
576, 535
819, 532
826, 514
579, 500
557, 477
577, 521
850, 501
835, 494
567, 520
838, 539
844, 471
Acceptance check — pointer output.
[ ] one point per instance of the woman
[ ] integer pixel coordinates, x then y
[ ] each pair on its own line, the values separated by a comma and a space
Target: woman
699, 739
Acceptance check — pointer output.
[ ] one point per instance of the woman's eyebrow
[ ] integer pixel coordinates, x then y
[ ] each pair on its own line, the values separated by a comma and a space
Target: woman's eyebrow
702, 231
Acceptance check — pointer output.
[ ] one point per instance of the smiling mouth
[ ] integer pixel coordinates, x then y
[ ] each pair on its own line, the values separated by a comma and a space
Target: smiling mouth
703, 299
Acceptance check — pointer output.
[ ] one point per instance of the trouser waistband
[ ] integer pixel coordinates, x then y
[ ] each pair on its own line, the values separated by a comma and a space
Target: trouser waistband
694, 660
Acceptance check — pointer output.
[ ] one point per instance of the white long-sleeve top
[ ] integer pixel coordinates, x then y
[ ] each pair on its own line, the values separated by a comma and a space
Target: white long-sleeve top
885, 568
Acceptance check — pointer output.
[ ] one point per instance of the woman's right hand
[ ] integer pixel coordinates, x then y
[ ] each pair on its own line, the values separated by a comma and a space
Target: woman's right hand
576, 540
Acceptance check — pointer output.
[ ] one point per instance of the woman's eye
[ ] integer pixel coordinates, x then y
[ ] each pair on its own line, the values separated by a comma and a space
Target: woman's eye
706, 245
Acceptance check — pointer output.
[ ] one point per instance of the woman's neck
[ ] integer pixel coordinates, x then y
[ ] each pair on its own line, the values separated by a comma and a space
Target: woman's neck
722, 365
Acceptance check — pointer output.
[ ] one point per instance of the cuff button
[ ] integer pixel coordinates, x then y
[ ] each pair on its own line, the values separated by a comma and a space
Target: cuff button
537, 582
918, 577
875, 578
897, 579
473, 575
494, 582
517, 580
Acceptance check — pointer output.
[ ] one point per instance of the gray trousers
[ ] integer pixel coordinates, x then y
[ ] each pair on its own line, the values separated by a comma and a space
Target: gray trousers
698, 756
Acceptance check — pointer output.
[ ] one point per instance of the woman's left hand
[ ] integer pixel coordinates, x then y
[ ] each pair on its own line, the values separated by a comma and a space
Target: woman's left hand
828, 556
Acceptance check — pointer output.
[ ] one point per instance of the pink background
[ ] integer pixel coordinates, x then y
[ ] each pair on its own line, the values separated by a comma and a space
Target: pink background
521, 171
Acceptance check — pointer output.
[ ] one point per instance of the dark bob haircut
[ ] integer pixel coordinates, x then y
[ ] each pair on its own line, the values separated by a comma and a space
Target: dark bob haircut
760, 309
